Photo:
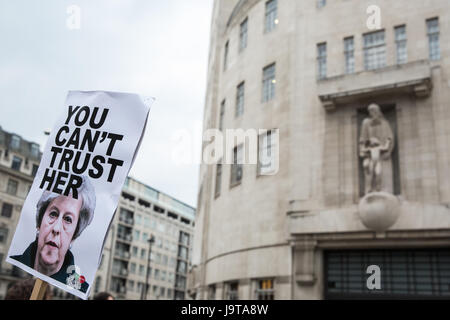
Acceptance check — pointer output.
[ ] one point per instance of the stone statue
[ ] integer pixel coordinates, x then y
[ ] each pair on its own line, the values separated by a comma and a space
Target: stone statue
376, 143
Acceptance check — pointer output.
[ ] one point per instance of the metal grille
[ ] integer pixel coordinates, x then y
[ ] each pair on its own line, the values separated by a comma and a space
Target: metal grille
404, 273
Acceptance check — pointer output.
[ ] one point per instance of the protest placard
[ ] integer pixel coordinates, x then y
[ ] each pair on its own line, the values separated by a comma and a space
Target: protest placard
73, 198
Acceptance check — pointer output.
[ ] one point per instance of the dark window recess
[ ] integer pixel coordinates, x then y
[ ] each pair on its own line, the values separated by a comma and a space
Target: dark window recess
7, 209
172, 215
158, 209
144, 203
128, 196
187, 221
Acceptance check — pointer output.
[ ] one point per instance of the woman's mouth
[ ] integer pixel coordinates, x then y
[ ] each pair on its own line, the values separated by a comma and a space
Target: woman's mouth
51, 244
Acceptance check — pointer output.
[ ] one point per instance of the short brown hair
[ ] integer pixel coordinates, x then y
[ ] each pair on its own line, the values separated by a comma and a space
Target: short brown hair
22, 289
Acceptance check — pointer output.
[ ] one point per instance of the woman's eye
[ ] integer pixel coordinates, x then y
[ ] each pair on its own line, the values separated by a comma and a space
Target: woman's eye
68, 219
53, 214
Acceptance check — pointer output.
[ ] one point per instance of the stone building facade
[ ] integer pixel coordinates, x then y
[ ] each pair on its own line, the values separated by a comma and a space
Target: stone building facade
299, 234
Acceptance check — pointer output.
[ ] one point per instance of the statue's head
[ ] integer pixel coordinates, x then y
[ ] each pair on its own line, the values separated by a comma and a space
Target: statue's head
374, 111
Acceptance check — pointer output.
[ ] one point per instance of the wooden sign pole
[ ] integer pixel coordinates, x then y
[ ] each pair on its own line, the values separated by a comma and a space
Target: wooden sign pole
39, 290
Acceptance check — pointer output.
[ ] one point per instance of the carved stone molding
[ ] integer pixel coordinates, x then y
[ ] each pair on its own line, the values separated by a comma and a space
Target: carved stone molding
409, 78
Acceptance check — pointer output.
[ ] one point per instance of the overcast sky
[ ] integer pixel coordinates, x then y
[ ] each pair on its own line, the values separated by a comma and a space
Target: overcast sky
153, 47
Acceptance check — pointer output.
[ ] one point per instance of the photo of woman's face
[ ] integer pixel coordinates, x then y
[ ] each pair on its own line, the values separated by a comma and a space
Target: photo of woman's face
57, 228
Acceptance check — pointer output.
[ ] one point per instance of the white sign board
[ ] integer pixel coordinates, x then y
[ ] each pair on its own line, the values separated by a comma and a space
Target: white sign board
67, 213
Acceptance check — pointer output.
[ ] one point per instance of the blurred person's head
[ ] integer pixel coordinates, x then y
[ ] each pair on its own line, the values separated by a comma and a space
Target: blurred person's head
103, 296
22, 289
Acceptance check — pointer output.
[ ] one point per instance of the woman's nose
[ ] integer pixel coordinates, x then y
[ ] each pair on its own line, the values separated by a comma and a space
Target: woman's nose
57, 226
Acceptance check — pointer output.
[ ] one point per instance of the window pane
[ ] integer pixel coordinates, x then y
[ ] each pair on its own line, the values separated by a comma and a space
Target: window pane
222, 114
16, 163
225, 56
7, 210
322, 60
243, 35
268, 83
266, 155
349, 48
3, 235
240, 99
12, 187
433, 38
15, 142
400, 40
271, 15
374, 50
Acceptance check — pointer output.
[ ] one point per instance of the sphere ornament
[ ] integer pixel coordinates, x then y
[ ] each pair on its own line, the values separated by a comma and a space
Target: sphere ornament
379, 210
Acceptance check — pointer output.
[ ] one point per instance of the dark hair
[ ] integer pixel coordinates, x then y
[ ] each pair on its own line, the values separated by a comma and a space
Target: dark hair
103, 296
22, 289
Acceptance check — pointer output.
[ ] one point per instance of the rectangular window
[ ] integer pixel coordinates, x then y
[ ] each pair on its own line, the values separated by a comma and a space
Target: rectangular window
136, 235
141, 270
12, 187
240, 99
271, 15
133, 268
157, 274
232, 291
134, 251
182, 253
321, 3
264, 290
218, 179
7, 210
322, 60
400, 41
267, 152
349, 52
34, 149
222, 114
130, 285
16, 163
15, 142
243, 35
269, 81
225, 55
142, 253
3, 234
433, 38
374, 50
236, 167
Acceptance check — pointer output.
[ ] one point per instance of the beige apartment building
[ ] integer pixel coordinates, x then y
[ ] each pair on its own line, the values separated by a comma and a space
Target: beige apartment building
346, 196
19, 161
144, 213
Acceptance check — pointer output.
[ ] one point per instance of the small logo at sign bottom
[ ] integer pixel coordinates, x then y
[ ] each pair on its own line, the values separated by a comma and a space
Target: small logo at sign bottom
74, 278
